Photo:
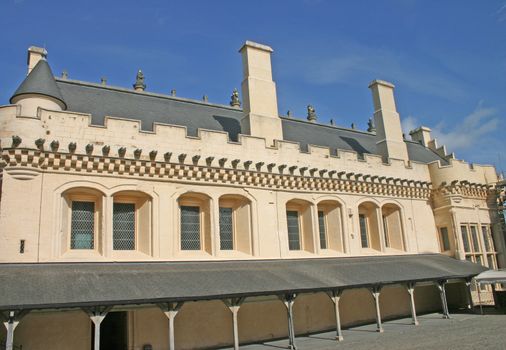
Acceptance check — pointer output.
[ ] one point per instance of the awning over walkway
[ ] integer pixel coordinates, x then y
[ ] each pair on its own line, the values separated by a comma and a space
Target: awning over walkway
491, 277
62, 285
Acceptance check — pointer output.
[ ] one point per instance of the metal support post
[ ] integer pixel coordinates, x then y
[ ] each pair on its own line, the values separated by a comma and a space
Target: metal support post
234, 304
97, 315
444, 302
288, 300
170, 310
469, 296
335, 296
11, 320
376, 295
411, 290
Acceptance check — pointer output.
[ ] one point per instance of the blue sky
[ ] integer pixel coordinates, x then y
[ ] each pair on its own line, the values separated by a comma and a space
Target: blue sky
447, 58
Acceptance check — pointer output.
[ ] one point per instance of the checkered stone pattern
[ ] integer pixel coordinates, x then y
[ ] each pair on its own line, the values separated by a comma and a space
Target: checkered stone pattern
124, 226
83, 225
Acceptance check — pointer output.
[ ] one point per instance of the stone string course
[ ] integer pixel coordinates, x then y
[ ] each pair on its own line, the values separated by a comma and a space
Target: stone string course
37, 161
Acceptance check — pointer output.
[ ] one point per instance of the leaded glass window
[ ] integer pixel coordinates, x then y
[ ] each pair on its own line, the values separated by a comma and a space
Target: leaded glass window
445, 242
190, 228
385, 231
474, 236
82, 231
292, 217
226, 229
322, 229
363, 231
465, 238
487, 238
123, 226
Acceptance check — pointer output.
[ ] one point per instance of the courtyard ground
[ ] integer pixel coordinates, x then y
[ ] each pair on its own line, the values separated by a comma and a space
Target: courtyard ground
462, 331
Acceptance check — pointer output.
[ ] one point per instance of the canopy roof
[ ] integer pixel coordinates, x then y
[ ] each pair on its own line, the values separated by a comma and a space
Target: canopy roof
491, 276
64, 285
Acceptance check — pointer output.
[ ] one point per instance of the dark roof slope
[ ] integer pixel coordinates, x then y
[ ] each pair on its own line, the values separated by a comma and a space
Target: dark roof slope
100, 101
149, 108
40, 81
39, 285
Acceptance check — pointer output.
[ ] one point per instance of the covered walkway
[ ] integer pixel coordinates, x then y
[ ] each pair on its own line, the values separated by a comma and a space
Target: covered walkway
98, 287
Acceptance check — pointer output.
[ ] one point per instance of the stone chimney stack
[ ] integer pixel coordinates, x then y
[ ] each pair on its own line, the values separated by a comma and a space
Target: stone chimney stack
422, 135
35, 54
389, 140
260, 103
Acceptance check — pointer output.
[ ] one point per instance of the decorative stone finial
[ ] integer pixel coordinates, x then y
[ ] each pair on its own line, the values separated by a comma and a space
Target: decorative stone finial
311, 114
103, 80
370, 126
16, 141
353, 126
72, 147
234, 99
332, 122
289, 114
64, 74
121, 152
205, 98
173, 92
139, 81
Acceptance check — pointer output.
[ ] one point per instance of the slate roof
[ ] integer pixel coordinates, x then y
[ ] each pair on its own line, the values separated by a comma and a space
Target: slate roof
40, 81
61, 285
100, 101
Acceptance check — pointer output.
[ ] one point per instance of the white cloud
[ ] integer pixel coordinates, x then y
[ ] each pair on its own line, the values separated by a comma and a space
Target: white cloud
357, 61
470, 132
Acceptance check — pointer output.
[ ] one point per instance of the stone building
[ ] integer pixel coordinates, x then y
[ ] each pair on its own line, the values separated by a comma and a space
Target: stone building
131, 219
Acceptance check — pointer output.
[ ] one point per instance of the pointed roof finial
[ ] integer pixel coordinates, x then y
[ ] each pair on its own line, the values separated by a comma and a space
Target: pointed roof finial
289, 113
370, 126
205, 98
64, 74
332, 122
311, 114
139, 81
103, 80
234, 99
353, 126
173, 92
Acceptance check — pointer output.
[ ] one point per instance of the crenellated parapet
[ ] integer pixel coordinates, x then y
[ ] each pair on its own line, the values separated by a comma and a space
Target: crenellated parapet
69, 132
461, 173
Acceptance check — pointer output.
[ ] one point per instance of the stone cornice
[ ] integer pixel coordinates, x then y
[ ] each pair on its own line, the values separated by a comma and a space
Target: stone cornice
466, 189
320, 180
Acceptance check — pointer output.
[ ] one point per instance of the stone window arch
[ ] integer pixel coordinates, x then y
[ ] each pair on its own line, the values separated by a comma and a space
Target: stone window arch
132, 221
391, 215
82, 220
369, 227
300, 225
195, 222
330, 225
235, 223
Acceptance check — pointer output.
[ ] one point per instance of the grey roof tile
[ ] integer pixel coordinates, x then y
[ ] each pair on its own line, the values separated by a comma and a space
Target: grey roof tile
40, 81
53, 285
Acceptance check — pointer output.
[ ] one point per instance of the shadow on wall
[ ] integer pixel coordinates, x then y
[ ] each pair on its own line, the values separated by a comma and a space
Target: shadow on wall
230, 125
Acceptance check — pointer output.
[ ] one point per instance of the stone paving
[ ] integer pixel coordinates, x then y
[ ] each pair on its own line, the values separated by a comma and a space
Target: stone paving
463, 331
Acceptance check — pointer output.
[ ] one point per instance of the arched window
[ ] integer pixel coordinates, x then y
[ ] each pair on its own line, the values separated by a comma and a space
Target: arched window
131, 222
369, 226
235, 223
299, 225
330, 229
195, 222
392, 226
82, 220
